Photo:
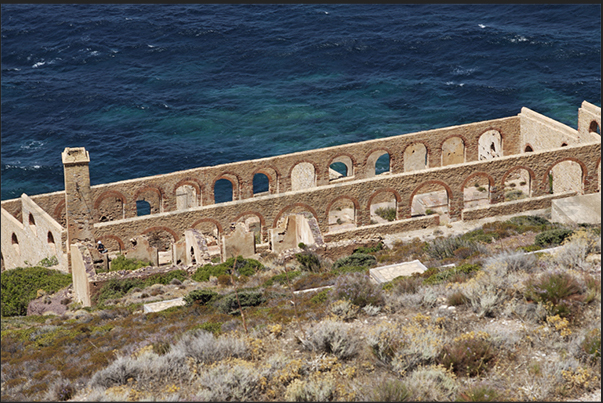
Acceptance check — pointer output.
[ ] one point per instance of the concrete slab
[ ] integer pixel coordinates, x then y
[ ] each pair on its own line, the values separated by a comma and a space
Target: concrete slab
388, 273
583, 209
162, 305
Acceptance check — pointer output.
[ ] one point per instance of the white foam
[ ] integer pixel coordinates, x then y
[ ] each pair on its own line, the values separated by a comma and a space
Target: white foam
481, 25
38, 64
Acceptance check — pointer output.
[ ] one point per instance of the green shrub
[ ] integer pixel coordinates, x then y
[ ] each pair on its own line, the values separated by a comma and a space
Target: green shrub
116, 288
20, 286
309, 261
557, 291
479, 393
392, 390
388, 213
320, 297
314, 280
244, 267
468, 356
228, 303
282, 278
356, 260
406, 284
442, 248
200, 296
358, 289
457, 298
592, 343
552, 237
369, 249
121, 262
444, 275
212, 327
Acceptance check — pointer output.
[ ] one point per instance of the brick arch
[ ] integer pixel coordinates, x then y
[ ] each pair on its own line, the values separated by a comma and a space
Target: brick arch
375, 150
427, 148
384, 190
160, 228
350, 156
211, 220
436, 182
263, 170
510, 171
498, 129
582, 165
273, 183
460, 136
284, 210
473, 175
297, 162
58, 210
353, 200
154, 189
236, 187
115, 238
107, 194
255, 213
189, 181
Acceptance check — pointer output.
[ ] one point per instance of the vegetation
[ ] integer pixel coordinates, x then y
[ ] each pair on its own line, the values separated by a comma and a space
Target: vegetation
121, 262
244, 267
21, 285
481, 329
387, 213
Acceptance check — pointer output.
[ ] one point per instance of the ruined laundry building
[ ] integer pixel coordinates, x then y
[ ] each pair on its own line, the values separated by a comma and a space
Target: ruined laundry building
465, 172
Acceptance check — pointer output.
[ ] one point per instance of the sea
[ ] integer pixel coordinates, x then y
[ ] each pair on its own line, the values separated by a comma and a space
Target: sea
150, 89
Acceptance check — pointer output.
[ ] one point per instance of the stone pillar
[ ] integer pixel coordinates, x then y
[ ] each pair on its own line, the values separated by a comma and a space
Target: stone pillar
78, 196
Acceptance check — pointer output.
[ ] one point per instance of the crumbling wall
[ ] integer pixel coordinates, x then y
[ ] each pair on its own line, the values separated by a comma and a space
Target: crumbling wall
38, 237
543, 133
82, 268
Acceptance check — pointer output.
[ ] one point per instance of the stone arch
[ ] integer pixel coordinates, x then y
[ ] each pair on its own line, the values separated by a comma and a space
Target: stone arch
59, 213
187, 193
32, 223
370, 161
112, 242
212, 231
432, 198
15, 242
476, 189
416, 156
255, 223
303, 175
453, 150
51, 242
566, 175
517, 183
234, 180
108, 209
594, 127
490, 145
153, 195
347, 160
528, 148
382, 206
162, 242
294, 206
342, 213
273, 176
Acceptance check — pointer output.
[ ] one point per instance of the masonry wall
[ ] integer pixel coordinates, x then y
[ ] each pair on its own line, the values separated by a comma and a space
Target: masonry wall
36, 237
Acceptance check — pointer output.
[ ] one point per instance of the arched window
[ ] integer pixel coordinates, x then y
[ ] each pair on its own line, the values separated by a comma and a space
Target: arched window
528, 149
51, 243
143, 207
223, 191
15, 242
594, 127
382, 164
261, 183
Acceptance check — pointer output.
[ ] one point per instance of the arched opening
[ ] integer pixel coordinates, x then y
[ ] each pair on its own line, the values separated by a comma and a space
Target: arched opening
453, 151
517, 185
32, 223
143, 207
528, 149
337, 170
153, 197
163, 241
382, 165
476, 192
415, 157
564, 144
430, 198
490, 145
383, 208
342, 215
51, 243
594, 127
341, 167
303, 176
15, 242
223, 191
261, 184
186, 197
566, 176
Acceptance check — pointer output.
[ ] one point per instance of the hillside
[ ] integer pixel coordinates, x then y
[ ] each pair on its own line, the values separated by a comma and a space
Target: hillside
488, 321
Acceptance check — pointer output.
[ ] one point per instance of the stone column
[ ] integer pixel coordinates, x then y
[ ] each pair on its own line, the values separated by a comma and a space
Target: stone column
78, 196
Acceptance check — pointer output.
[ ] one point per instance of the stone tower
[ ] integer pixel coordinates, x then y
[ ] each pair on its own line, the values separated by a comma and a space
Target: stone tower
78, 196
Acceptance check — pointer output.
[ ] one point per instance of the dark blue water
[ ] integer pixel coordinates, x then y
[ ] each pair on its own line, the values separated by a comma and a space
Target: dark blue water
151, 89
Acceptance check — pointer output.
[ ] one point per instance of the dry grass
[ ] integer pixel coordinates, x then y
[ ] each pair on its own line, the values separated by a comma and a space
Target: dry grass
530, 322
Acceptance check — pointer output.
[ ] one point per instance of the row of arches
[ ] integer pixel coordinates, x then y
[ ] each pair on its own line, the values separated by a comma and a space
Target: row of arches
387, 204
